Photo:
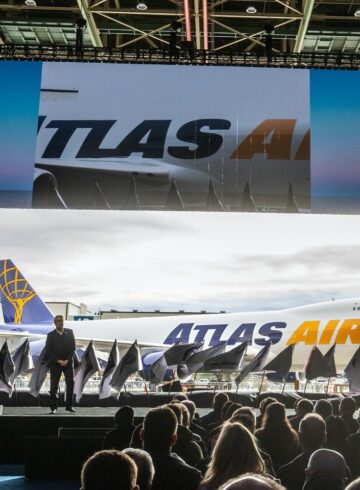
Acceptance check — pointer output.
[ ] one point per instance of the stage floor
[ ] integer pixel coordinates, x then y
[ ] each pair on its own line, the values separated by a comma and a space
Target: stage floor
80, 412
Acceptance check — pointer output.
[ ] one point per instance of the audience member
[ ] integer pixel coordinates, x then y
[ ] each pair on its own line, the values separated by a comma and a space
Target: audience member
302, 407
336, 434
347, 410
145, 467
185, 446
326, 470
323, 408
312, 436
352, 453
335, 403
195, 428
262, 407
136, 441
120, 437
251, 481
109, 470
215, 416
180, 397
276, 436
235, 453
159, 435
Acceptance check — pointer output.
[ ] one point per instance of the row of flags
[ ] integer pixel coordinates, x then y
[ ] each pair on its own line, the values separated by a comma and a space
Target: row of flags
185, 358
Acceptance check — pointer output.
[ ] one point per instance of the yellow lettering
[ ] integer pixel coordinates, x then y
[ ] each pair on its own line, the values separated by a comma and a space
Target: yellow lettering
349, 328
328, 331
307, 332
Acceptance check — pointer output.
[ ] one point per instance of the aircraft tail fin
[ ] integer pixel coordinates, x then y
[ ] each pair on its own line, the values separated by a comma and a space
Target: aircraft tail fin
20, 303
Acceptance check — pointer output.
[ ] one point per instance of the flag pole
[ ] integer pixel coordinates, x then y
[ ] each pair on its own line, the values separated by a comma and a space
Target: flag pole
305, 386
262, 381
327, 386
284, 384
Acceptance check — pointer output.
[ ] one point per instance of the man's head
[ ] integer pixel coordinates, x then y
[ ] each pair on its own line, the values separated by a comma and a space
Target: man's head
219, 400
124, 416
265, 402
323, 408
144, 465
59, 322
326, 469
303, 407
312, 432
159, 429
355, 485
109, 470
251, 481
190, 405
348, 406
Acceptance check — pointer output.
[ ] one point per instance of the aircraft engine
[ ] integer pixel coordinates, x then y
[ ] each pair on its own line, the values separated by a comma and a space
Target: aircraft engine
148, 360
46, 191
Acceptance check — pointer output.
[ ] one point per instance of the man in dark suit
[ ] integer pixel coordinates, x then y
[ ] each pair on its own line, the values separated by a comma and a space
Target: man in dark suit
60, 348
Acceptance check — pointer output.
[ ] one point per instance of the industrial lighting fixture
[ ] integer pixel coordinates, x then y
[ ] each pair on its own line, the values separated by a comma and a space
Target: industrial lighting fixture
30, 3
357, 13
251, 9
141, 5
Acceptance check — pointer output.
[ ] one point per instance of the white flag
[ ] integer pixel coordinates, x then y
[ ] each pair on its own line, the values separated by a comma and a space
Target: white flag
89, 365
128, 365
113, 361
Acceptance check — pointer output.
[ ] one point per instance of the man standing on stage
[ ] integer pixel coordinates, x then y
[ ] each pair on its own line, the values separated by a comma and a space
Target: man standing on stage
60, 348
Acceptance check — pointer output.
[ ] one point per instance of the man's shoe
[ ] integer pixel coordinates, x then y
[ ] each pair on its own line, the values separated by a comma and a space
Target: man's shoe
70, 409
52, 411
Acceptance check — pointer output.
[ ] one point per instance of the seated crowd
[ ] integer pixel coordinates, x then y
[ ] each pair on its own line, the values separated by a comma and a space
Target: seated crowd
230, 448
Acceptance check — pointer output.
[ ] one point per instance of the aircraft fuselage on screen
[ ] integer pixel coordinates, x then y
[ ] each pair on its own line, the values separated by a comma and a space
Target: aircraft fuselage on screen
322, 324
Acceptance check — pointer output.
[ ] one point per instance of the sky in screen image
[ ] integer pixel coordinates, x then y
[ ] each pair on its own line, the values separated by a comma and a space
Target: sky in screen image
189, 261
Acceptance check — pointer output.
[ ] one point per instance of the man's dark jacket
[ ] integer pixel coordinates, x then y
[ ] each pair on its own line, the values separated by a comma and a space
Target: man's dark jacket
60, 347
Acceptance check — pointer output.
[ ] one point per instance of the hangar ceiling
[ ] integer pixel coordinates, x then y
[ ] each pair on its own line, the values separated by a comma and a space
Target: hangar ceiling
324, 26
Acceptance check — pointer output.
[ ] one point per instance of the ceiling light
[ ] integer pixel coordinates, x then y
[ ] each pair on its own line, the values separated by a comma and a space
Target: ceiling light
251, 9
357, 13
30, 3
141, 5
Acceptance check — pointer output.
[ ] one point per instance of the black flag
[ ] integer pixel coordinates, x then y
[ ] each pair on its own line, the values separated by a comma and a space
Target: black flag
329, 357
352, 371
179, 353
7, 368
230, 360
281, 364
256, 365
129, 364
113, 361
316, 365
158, 370
196, 361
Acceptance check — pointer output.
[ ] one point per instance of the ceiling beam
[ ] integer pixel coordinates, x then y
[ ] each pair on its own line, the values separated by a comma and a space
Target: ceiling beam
304, 24
91, 24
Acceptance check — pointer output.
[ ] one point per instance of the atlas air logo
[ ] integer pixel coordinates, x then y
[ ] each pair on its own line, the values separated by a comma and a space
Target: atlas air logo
15, 289
310, 332
273, 137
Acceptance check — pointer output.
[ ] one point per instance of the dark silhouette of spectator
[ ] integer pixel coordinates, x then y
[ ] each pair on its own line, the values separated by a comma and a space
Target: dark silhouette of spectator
276, 436
312, 436
336, 434
145, 467
335, 403
195, 428
347, 410
262, 407
235, 453
326, 470
186, 446
246, 417
355, 485
352, 453
302, 407
120, 437
230, 410
109, 470
215, 416
159, 435
251, 481
323, 408
181, 397
136, 441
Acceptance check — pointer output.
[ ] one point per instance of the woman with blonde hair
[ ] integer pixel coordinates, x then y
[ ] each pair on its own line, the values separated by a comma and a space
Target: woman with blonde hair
235, 453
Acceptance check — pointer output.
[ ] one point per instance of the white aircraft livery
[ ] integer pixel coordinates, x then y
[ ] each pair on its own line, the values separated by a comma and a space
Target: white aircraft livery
322, 325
